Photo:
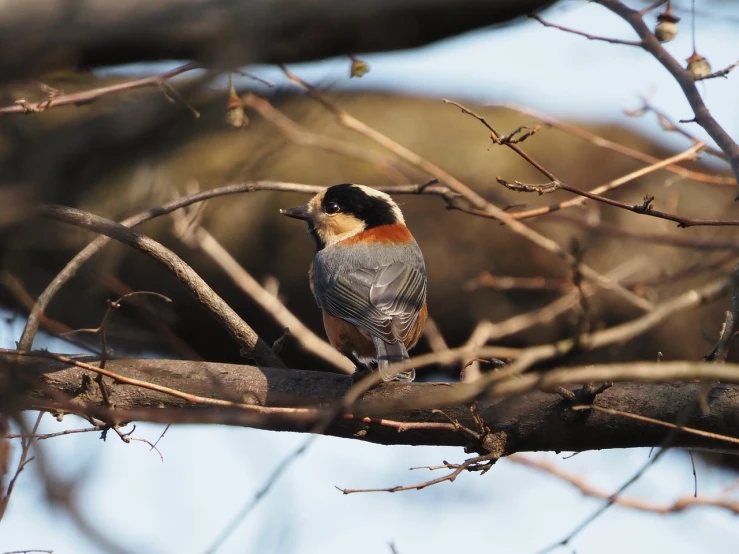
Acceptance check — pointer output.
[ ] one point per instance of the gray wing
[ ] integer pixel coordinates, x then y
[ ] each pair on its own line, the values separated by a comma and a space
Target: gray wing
384, 301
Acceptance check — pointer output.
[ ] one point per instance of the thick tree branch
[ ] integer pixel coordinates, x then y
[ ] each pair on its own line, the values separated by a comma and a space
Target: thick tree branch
530, 420
37, 36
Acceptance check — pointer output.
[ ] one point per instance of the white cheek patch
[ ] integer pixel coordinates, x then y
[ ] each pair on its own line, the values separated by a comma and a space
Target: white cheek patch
333, 229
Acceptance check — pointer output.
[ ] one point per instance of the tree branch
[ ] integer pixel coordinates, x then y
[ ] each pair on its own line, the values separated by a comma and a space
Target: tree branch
479, 205
602, 142
37, 36
635, 503
683, 77
529, 422
89, 96
586, 35
253, 346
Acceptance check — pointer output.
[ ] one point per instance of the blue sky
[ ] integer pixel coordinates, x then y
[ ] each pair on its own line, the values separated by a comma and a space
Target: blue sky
208, 473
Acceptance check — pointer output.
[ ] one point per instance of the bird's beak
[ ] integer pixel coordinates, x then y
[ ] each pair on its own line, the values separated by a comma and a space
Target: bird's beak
300, 212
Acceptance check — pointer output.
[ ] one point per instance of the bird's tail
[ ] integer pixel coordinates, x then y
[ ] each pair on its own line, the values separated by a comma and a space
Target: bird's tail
389, 353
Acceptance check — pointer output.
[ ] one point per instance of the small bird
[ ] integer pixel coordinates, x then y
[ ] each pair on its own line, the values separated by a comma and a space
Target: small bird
368, 275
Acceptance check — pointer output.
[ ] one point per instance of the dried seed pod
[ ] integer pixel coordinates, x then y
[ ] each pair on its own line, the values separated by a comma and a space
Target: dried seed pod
666, 28
698, 66
235, 114
358, 68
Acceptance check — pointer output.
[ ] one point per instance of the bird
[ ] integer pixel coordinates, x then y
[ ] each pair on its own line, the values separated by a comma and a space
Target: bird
368, 275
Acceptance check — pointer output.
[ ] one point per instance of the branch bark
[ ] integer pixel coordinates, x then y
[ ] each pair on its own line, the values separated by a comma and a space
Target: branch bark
532, 421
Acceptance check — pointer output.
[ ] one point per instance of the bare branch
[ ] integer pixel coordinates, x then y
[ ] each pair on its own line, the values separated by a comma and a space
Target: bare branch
720, 73
301, 136
683, 77
89, 96
480, 205
243, 514
586, 35
479, 463
602, 142
252, 345
557, 184
599, 190
668, 124
644, 505
25, 458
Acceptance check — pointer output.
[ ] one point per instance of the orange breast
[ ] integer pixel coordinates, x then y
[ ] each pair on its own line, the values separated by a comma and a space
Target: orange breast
347, 338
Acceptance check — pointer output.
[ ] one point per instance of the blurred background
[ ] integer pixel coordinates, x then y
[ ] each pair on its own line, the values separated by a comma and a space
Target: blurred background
130, 151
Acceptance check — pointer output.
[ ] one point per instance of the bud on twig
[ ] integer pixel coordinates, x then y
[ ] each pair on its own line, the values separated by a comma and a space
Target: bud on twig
359, 68
666, 28
698, 66
235, 114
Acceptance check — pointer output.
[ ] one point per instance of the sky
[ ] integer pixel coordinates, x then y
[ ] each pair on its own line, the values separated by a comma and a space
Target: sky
180, 504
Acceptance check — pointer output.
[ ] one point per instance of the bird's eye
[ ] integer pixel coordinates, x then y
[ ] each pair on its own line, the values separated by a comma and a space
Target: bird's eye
332, 208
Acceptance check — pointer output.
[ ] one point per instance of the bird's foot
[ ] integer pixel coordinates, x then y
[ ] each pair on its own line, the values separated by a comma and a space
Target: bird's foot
361, 369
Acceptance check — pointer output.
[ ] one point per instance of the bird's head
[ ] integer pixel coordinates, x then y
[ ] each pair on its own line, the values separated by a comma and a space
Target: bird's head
342, 211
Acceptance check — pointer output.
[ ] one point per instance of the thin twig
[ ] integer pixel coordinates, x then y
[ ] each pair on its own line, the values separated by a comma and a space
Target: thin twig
695, 473
243, 514
597, 191
27, 441
152, 316
645, 208
720, 73
500, 282
611, 500
479, 463
303, 137
586, 35
634, 503
102, 329
602, 142
556, 184
651, 420
89, 96
52, 435
670, 125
